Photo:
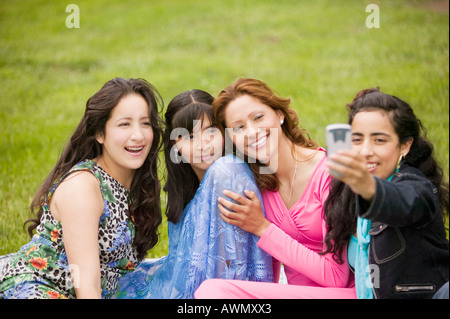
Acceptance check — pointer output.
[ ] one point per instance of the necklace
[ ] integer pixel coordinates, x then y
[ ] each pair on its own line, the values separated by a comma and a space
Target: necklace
293, 180
295, 170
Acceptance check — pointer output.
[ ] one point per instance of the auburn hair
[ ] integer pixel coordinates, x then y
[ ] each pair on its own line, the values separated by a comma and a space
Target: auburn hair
264, 94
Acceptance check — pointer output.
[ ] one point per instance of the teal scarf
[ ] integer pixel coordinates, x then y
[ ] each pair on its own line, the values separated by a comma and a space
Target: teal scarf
363, 281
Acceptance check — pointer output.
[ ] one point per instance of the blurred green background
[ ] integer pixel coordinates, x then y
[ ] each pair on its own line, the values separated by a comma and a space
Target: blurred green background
319, 53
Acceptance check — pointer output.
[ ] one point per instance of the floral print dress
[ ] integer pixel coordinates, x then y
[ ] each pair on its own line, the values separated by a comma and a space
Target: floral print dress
41, 270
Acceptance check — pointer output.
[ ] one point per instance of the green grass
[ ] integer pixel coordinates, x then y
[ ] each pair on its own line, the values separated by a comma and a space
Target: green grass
319, 53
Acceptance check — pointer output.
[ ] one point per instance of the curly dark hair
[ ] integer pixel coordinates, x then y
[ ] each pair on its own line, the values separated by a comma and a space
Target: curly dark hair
145, 188
340, 206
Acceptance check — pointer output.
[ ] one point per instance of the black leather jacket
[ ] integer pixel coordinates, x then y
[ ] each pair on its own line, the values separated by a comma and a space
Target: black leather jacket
409, 251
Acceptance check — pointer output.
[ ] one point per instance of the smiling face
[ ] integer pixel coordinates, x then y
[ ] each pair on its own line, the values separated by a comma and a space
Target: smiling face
202, 147
127, 139
254, 127
375, 138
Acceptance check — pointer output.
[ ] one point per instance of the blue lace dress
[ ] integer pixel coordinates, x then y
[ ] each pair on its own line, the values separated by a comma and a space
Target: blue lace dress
202, 245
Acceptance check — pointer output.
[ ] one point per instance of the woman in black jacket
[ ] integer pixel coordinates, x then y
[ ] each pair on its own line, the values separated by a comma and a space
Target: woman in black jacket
391, 182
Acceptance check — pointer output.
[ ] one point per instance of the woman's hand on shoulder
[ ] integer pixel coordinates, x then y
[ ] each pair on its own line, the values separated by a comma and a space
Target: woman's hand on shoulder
247, 214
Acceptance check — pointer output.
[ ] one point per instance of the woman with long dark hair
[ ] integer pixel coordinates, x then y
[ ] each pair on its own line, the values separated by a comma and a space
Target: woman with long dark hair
99, 209
389, 190
201, 244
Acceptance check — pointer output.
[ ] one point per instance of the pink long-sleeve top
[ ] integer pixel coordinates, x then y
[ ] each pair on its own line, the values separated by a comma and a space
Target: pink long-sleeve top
296, 236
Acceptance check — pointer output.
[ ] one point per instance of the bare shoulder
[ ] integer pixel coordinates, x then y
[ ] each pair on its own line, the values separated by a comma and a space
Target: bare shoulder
319, 154
313, 156
79, 192
82, 182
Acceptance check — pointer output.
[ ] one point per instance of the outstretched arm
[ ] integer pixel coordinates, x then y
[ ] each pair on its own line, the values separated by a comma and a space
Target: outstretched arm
322, 269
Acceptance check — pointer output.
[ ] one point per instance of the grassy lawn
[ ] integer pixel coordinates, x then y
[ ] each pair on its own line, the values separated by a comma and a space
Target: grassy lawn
319, 53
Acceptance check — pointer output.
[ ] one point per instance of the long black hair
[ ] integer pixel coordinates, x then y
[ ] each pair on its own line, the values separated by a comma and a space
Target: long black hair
182, 182
145, 188
340, 206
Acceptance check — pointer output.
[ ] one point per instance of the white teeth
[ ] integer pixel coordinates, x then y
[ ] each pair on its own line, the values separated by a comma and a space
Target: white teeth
369, 166
259, 142
134, 149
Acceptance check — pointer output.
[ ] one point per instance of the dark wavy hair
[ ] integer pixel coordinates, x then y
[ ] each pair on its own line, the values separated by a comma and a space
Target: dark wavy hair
340, 206
264, 94
145, 188
182, 182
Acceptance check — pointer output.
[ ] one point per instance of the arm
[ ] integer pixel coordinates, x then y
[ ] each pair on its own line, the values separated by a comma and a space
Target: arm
78, 204
351, 168
236, 246
322, 269
409, 200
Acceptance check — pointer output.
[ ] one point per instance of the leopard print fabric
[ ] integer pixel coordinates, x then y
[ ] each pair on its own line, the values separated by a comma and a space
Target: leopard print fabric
41, 270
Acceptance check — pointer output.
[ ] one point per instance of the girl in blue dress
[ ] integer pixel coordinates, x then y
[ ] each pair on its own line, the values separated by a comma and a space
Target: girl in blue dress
201, 244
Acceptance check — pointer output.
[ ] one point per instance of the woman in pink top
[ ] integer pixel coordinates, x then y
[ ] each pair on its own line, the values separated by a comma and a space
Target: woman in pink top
291, 171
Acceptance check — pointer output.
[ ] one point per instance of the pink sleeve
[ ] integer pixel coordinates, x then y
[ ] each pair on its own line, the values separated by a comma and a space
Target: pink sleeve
276, 270
322, 269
